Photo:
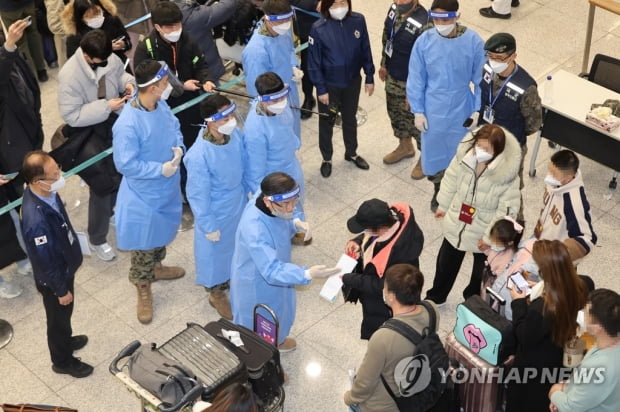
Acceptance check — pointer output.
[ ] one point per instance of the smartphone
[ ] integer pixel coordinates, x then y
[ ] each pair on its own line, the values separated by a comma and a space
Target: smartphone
519, 282
468, 122
28, 20
495, 301
9, 176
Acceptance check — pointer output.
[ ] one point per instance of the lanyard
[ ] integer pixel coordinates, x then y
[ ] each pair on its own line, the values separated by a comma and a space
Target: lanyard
499, 92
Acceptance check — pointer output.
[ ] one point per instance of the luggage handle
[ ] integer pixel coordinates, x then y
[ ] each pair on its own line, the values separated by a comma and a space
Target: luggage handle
127, 351
275, 320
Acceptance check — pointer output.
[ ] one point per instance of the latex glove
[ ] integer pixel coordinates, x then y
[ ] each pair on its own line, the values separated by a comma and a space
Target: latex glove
178, 154
320, 271
474, 116
297, 75
302, 226
213, 236
168, 168
250, 194
420, 122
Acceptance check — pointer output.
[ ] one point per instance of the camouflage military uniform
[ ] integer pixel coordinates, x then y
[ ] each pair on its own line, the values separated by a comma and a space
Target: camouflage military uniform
401, 118
143, 264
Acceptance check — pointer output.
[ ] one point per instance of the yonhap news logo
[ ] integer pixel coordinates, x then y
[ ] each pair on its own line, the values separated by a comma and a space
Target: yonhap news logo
412, 375
521, 376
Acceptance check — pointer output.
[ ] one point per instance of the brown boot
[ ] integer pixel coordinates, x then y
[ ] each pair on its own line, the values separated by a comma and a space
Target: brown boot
145, 302
219, 300
417, 173
404, 150
168, 272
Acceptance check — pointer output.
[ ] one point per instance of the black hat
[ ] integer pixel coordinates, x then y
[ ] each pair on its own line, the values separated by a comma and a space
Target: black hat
501, 43
372, 213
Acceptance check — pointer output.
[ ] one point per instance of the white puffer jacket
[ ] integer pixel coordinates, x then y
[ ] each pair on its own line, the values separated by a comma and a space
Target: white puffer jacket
494, 194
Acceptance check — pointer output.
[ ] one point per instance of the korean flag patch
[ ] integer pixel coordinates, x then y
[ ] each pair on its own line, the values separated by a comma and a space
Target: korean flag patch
487, 77
41, 240
310, 40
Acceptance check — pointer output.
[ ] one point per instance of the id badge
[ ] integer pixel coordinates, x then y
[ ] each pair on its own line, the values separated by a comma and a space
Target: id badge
488, 115
70, 236
388, 48
538, 229
467, 213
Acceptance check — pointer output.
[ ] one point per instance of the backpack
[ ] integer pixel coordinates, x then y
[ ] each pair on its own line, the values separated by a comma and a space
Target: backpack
420, 391
164, 378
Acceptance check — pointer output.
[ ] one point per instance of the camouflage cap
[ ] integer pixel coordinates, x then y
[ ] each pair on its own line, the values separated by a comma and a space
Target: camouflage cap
501, 43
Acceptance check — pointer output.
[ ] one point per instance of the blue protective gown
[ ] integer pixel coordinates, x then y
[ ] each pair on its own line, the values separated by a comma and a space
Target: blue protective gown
261, 271
148, 206
216, 194
440, 72
270, 144
272, 54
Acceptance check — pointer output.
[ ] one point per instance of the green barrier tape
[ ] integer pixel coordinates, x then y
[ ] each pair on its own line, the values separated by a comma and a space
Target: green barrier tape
108, 151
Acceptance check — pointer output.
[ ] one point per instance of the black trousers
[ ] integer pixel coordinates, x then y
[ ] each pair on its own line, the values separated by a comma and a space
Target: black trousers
58, 326
306, 84
347, 100
100, 209
449, 262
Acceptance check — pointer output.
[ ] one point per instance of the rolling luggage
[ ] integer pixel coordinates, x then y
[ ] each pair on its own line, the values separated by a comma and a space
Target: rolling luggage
479, 381
261, 358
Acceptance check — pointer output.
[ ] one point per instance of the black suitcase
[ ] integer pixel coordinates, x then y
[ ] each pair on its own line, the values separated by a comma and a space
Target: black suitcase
212, 362
261, 359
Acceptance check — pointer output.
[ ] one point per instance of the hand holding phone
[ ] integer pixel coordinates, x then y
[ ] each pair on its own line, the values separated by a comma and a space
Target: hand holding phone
519, 283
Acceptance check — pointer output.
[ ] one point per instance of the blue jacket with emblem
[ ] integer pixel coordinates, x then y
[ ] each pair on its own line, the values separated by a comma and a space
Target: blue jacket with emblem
338, 49
51, 243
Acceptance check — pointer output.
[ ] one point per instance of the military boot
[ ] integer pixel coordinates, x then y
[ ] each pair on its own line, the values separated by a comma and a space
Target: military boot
145, 301
219, 300
416, 172
168, 272
404, 150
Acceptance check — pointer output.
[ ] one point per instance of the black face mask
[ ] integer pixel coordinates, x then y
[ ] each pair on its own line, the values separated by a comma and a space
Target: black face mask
95, 65
404, 8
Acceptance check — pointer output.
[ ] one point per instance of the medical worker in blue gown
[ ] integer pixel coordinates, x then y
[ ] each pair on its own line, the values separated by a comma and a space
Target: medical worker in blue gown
271, 142
217, 196
148, 146
262, 271
443, 63
271, 49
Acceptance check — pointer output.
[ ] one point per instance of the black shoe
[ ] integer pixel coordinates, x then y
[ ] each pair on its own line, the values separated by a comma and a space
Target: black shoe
515, 3
78, 342
326, 169
53, 65
359, 162
42, 75
490, 13
309, 104
76, 368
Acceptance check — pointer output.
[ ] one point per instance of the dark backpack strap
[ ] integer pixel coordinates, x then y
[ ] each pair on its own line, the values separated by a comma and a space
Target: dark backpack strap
403, 329
432, 317
387, 388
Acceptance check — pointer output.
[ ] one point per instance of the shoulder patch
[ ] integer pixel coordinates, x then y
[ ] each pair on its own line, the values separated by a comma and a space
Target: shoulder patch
41, 240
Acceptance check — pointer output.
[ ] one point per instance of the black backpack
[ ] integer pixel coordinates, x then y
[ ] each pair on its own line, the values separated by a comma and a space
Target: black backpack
432, 359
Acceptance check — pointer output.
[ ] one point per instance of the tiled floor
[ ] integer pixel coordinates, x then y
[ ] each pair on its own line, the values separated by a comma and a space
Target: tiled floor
550, 35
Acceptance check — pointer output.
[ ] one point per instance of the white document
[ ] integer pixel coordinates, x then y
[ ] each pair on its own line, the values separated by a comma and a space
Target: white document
333, 284
83, 239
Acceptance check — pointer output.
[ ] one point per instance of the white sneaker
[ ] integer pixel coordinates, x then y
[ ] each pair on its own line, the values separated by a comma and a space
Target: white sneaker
9, 290
24, 270
104, 251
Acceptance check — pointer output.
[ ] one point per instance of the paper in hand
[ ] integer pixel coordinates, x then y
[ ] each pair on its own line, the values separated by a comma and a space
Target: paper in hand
333, 284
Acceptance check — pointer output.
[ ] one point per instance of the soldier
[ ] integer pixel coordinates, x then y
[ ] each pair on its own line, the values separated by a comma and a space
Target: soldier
512, 101
404, 23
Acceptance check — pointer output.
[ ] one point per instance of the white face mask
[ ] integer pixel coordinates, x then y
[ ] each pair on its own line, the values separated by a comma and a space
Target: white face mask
498, 67
57, 185
173, 36
498, 249
445, 29
228, 127
552, 181
482, 155
384, 299
166, 93
339, 13
283, 28
95, 22
278, 107
281, 214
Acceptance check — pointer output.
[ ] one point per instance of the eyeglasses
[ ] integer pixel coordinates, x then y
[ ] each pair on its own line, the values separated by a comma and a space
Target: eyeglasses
497, 58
